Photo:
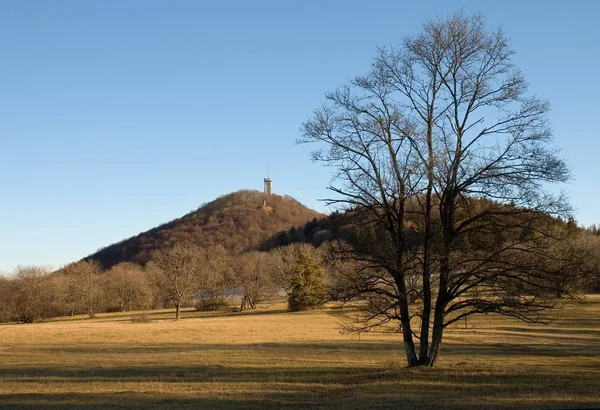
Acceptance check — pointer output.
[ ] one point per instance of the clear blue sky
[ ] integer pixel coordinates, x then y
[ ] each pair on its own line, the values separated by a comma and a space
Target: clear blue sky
116, 116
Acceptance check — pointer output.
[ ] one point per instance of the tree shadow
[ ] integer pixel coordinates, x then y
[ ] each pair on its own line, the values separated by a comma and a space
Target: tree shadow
288, 382
549, 330
352, 389
163, 315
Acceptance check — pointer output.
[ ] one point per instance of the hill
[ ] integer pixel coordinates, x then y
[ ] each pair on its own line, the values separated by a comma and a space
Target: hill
238, 221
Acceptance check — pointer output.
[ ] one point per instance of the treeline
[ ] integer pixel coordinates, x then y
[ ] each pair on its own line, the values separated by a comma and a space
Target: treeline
348, 228
208, 278
592, 233
593, 229
305, 263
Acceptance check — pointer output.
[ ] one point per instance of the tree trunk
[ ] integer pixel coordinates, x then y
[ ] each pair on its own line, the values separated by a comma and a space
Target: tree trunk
177, 311
409, 345
440, 309
426, 315
438, 333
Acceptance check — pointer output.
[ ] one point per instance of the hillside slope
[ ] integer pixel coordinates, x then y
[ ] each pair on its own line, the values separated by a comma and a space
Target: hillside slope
238, 221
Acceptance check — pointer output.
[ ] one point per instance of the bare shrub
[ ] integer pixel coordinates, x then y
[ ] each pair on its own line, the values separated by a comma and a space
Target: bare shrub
143, 318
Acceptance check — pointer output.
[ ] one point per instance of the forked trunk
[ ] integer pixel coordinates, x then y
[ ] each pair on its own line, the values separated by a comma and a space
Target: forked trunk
436, 338
426, 315
439, 314
409, 346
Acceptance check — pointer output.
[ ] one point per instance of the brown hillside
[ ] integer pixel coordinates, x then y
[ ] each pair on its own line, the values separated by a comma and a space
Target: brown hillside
238, 221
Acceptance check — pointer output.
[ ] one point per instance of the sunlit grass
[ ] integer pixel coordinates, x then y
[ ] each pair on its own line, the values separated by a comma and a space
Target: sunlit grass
273, 359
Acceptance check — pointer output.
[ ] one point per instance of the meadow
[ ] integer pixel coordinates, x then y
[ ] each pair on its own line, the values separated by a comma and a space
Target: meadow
269, 358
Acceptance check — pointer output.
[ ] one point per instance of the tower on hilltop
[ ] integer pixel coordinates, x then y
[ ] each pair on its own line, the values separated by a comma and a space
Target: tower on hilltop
268, 186
268, 190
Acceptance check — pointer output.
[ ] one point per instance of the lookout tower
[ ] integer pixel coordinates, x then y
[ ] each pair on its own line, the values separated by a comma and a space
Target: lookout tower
268, 186
268, 190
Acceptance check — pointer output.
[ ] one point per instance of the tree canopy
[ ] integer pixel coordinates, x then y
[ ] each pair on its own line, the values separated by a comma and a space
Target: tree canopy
444, 160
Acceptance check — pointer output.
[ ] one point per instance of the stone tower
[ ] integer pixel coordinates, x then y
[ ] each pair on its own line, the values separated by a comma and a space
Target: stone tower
268, 186
268, 190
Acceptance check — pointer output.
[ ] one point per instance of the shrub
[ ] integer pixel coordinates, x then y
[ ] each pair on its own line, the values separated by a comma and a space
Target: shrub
143, 318
212, 304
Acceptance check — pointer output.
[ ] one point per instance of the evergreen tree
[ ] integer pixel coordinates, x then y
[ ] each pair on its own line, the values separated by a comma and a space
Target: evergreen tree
306, 288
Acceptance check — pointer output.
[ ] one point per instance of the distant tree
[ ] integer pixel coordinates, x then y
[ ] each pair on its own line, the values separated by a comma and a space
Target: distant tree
284, 260
254, 275
32, 294
213, 278
571, 224
175, 272
593, 229
127, 288
85, 284
306, 288
587, 246
444, 162
340, 280
6, 298
65, 297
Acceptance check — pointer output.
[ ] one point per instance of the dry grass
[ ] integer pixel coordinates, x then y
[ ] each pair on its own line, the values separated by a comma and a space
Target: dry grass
273, 359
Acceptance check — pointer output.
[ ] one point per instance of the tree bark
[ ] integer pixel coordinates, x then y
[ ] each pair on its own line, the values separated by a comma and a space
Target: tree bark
409, 345
441, 302
426, 315
436, 342
177, 311
437, 335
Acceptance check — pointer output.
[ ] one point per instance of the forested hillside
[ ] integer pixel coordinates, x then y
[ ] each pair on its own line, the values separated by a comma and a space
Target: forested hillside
238, 221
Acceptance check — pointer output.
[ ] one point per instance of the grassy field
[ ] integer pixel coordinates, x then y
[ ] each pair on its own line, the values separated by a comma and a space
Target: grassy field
274, 359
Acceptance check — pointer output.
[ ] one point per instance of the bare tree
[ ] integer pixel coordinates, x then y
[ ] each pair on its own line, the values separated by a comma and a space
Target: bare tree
213, 278
65, 296
587, 246
32, 294
175, 271
127, 288
254, 275
444, 161
6, 298
85, 283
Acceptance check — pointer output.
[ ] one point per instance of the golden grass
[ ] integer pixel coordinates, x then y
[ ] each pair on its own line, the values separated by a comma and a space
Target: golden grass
273, 359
